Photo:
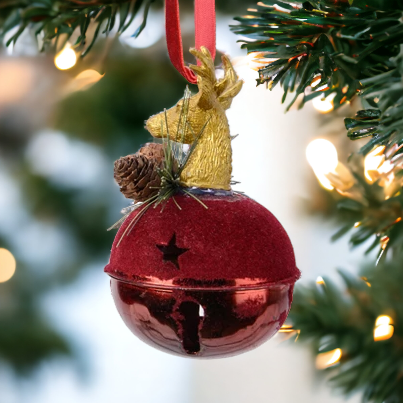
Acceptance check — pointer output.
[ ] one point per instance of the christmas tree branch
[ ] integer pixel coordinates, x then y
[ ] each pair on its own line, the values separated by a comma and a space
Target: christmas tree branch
52, 19
323, 47
330, 47
362, 352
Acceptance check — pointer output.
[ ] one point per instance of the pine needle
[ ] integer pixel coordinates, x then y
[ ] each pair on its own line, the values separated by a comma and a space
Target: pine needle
196, 198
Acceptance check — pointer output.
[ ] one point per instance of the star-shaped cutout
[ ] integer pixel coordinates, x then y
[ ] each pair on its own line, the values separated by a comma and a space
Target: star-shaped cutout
171, 252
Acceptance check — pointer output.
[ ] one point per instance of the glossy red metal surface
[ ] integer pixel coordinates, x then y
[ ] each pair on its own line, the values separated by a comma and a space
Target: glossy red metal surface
203, 322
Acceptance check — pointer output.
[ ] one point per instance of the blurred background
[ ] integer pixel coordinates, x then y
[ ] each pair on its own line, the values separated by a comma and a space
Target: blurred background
63, 121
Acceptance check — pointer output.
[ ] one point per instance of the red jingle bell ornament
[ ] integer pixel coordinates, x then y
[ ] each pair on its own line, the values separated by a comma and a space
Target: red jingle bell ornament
197, 269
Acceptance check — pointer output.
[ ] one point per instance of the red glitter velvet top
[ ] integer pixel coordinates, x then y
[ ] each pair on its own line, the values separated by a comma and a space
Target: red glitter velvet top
235, 242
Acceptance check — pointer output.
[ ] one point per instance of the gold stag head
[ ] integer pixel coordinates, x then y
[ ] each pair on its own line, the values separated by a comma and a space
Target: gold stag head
210, 164
214, 96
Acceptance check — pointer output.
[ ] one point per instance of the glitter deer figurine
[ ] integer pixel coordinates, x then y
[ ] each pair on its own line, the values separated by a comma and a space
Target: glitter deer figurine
210, 164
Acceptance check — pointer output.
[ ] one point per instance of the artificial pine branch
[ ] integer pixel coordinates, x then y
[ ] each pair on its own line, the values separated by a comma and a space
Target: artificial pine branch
334, 47
49, 19
52, 19
331, 40
331, 317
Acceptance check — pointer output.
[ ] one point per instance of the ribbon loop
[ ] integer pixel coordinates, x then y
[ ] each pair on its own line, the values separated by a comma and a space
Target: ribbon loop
205, 33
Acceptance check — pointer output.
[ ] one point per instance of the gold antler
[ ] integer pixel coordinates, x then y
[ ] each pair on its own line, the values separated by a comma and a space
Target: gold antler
229, 86
210, 89
206, 79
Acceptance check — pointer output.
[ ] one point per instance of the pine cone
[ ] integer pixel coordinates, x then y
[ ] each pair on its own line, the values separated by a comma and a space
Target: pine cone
137, 174
152, 150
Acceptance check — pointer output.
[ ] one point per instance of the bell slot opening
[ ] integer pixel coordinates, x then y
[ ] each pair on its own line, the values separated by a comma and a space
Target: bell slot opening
192, 314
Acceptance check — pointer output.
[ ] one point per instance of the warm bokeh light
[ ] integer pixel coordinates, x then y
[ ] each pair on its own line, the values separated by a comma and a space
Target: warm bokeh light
383, 332
17, 79
383, 320
383, 328
365, 280
320, 281
288, 331
83, 81
322, 157
328, 359
7, 265
373, 162
66, 58
324, 105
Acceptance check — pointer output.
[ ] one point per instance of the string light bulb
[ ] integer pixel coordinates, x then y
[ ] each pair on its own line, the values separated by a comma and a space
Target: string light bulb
289, 331
322, 157
373, 162
328, 359
324, 105
383, 320
66, 58
383, 328
7, 265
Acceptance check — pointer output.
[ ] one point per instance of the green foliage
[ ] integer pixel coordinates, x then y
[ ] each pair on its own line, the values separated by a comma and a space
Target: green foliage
331, 317
341, 44
350, 48
53, 19
376, 219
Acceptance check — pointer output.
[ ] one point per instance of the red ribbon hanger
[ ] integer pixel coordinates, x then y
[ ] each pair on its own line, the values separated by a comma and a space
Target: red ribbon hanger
205, 32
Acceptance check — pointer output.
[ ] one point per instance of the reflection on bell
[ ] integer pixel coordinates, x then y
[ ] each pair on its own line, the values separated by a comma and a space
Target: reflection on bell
233, 321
